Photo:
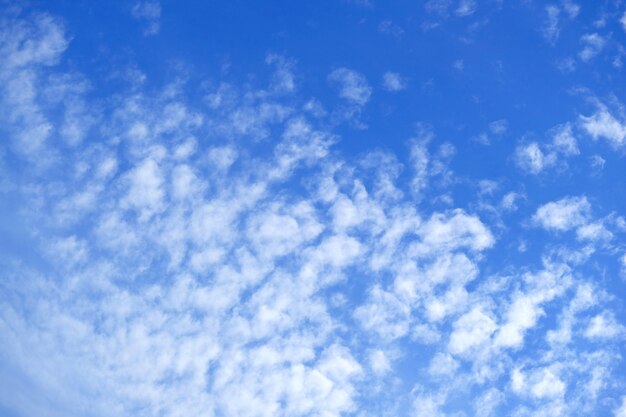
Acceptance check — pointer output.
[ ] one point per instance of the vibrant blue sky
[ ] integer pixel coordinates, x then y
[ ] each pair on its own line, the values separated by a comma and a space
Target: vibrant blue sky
296, 208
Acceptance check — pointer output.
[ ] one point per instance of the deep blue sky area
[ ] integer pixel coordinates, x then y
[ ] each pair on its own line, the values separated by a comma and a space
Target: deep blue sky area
312, 208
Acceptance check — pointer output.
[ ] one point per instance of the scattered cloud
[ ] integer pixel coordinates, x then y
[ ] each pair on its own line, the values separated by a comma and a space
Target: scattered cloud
535, 158
465, 8
387, 27
564, 214
603, 124
593, 44
392, 81
227, 247
352, 86
149, 12
551, 27
621, 411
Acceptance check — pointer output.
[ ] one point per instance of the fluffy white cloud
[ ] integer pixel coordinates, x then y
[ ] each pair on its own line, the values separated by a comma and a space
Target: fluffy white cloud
443, 364
146, 192
553, 19
498, 127
379, 362
384, 315
392, 81
603, 124
541, 383
220, 257
535, 158
456, 230
509, 201
604, 326
352, 85
531, 158
593, 232
564, 214
486, 404
471, 331
593, 45
26, 47
621, 411
525, 308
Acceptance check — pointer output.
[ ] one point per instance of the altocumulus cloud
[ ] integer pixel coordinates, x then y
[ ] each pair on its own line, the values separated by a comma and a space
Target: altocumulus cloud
224, 257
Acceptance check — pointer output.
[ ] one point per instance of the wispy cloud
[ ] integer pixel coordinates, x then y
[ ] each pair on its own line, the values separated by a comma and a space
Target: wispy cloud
148, 12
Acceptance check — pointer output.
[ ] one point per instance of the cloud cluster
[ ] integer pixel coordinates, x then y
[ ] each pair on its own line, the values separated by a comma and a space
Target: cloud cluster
222, 257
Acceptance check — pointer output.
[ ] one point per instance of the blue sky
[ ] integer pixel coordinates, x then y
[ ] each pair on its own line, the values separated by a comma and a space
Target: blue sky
334, 208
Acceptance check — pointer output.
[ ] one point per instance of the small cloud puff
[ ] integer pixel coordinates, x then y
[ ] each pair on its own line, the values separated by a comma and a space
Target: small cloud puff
603, 326
534, 157
593, 44
352, 85
563, 215
602, 124
543, 383
465, 8
392, 81
621, 411
148, 11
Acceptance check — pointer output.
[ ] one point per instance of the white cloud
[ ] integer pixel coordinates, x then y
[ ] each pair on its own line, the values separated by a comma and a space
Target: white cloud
379, 362
621, 411
522, 314
498, 127
471, 331
593, 45
226, 260
457, 230
280, 230
525, 309
39, 41
284, 78
443, 364
548, 385
532, 159
389, 28
146, 192
552, 22
440, 7
541, 383
27, 47
604, 125
148, 11
384, 314
465, 8
352, 85
392, 81
593, 232
486, 404
420, 159
428, 405
551, 27
564, 214
509, 201
604, 326
563, 140
535, 158
571, 8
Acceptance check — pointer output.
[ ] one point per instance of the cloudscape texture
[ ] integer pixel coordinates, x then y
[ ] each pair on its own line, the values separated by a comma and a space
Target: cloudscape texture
293, 208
